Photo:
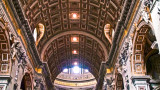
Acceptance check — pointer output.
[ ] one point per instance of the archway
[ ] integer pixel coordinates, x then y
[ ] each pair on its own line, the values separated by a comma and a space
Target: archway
152, 66
119, 82
92, 49
151, 56
64, 50
143, 40
26, 83
5, 57
4, 49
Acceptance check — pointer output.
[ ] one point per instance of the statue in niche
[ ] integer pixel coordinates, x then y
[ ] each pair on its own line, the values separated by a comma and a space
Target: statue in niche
16, 48
145, 11
14, 45
145, 15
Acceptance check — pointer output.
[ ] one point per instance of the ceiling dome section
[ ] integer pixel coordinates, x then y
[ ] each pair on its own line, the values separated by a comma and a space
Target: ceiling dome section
75, 78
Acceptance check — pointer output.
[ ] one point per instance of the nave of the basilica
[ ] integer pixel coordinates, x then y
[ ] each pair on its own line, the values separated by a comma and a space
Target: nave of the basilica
79, 44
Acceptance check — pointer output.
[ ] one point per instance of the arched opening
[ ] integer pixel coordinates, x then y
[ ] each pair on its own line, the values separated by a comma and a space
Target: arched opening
35, 34
74, 54
26, 83
152, 66
4, 49
65, 50
38, 32
152, 58
5, 57
147, 60
119, 82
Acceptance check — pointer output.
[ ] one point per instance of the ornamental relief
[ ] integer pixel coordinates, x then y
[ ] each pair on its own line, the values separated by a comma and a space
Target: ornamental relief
124, 61
11, 50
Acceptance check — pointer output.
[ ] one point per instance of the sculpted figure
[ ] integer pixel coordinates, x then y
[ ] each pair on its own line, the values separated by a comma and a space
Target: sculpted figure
14, 44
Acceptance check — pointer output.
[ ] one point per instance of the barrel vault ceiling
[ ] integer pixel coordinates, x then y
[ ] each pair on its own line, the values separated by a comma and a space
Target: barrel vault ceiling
56, 15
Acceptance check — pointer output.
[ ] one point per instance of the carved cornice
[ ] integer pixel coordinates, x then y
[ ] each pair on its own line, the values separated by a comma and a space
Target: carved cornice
126, 31
126, 13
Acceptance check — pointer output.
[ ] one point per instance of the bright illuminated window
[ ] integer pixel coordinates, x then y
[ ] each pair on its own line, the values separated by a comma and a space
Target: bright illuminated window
74, 39
112, 34
75, 63
86, 70
38, 33
76, 69
74, 52
74, 15
35, 34
65, 70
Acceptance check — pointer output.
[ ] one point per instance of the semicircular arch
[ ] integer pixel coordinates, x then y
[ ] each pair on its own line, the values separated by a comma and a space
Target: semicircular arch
75, 32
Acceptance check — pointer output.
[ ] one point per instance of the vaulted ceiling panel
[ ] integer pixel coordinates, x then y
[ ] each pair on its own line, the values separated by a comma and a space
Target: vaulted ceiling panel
60, 16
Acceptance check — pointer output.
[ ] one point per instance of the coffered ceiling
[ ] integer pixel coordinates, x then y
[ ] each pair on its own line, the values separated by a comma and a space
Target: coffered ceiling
63, 52
60, 16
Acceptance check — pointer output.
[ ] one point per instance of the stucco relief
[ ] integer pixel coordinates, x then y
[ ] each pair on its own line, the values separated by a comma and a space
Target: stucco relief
124, 61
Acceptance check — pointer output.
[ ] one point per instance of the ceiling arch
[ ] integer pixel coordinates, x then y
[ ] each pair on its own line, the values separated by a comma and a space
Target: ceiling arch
106, 49
64, 18
58, 53
56, 15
